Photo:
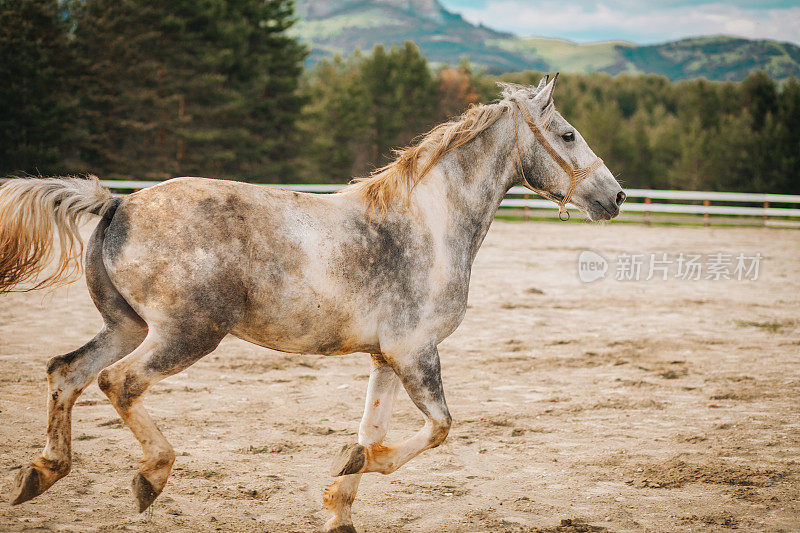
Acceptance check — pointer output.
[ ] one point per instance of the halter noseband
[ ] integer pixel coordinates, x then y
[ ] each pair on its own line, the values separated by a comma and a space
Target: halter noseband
575, 175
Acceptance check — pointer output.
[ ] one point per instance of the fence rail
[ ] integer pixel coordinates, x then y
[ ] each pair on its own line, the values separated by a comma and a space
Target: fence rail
677, 202
520, 198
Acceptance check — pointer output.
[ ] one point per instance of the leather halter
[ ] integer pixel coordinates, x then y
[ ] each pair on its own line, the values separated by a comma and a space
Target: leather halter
576, 176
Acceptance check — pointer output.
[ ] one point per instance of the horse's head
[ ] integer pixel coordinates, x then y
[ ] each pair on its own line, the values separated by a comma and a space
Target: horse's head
554, 159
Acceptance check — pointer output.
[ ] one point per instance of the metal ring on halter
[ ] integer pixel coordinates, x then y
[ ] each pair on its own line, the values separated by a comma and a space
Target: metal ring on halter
564, 212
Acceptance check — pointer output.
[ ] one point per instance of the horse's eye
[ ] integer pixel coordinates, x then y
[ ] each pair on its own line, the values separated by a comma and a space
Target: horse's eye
568, 137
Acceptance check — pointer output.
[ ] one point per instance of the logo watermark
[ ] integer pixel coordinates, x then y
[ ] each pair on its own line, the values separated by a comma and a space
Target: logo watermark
718, 266
591, 266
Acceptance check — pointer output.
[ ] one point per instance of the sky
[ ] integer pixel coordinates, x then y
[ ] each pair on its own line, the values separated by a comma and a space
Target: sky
638, 21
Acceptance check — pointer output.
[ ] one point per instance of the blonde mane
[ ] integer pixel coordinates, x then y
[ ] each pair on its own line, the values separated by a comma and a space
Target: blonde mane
398, 178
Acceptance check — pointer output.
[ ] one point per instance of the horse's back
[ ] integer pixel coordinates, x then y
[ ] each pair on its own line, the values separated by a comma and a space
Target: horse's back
254, 259
194, 239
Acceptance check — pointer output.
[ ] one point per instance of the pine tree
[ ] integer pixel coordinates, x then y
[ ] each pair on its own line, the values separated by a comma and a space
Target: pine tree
35, 111
403, 93
789, 138
415, 93
376, 74
337, 122
187, 87
267, 71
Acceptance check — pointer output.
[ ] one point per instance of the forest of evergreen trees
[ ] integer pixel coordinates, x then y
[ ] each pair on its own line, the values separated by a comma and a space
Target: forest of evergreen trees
142, 89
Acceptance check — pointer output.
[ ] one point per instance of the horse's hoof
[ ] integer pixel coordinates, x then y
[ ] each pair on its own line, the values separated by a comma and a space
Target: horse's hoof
344, 528
29, 484
350, 460
144, 492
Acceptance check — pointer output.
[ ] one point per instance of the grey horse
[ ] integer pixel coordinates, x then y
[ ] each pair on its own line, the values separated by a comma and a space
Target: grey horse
383, 267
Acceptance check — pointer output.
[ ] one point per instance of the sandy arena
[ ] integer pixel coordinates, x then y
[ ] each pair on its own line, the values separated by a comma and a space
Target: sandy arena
610, 406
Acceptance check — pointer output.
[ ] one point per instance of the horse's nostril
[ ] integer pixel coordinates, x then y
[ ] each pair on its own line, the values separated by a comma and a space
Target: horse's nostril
621, 197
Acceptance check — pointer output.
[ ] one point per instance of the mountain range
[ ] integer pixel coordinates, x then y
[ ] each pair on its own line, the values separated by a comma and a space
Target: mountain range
332, 27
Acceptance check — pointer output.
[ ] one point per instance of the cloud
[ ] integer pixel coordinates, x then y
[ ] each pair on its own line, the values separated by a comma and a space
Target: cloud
642, 22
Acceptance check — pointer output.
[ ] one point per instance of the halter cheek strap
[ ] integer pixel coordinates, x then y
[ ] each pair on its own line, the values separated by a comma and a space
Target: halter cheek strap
576, 176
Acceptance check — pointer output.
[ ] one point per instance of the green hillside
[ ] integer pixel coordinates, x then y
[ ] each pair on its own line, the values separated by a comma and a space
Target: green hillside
715, 58
341, 26
565, 55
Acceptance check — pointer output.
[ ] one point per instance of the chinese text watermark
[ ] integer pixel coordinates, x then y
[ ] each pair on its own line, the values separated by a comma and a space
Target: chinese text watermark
717, 266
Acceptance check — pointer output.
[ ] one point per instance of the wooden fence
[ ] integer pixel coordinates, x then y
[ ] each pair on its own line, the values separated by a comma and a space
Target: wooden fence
643, 204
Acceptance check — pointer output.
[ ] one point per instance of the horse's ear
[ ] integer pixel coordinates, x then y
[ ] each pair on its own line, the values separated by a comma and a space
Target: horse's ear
544, 98
542, 82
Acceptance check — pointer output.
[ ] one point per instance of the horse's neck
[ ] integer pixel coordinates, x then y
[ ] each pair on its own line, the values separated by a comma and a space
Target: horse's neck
464, 191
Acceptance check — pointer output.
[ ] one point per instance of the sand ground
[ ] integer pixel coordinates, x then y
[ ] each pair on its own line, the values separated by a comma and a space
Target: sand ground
611, 406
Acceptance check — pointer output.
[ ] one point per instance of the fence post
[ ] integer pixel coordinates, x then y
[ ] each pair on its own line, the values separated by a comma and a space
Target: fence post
646, 212
766, 206
706, 221
525, 209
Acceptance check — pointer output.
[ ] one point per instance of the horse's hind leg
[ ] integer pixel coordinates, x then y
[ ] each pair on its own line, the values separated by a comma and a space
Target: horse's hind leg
382, 389
68, 375
164, 352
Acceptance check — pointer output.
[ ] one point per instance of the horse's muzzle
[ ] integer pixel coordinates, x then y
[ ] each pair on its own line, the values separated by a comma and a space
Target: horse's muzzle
606, 209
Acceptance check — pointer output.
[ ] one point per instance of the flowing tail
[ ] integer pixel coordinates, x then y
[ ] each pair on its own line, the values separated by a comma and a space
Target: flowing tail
31, 210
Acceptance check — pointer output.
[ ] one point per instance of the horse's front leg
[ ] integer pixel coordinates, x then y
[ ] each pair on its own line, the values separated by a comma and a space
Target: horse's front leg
381, 391
420, 374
